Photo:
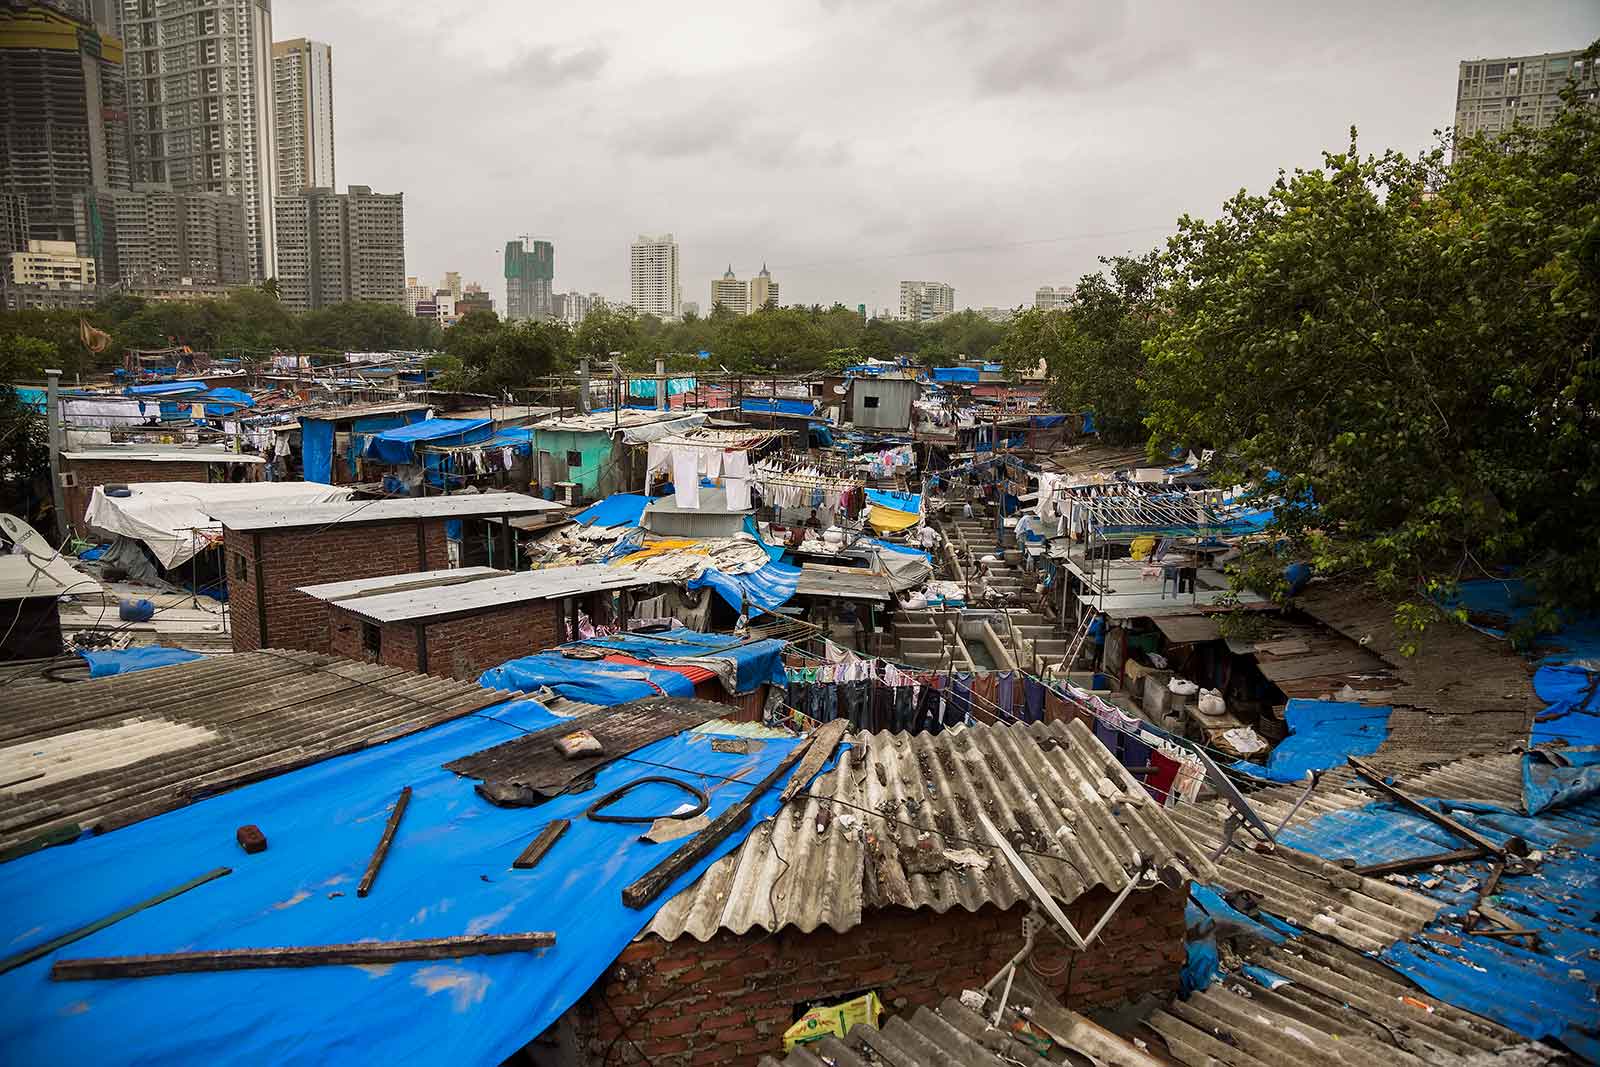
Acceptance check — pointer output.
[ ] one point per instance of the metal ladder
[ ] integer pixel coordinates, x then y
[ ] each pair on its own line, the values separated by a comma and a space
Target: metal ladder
1075, 646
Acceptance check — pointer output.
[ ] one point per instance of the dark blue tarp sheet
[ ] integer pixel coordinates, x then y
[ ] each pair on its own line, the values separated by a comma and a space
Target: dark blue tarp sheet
1046, 420
589, 681
316, 450
399, 444
619, 509
128, 660
1572, 705
887, 498
781, 406
770, 587
757, 662
184, 387
955, 374
448, 873
1539, 994
1321, 734
1558, 777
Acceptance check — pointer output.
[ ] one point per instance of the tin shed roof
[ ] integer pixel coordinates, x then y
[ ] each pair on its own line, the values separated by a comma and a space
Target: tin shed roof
890, 790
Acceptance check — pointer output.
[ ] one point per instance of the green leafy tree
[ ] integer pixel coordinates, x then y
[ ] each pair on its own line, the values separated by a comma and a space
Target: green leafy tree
606, 330
1412, 347
24, 454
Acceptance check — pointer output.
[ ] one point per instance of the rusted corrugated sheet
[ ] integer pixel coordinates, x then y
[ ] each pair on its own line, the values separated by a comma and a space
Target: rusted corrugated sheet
1053, 789
107, 752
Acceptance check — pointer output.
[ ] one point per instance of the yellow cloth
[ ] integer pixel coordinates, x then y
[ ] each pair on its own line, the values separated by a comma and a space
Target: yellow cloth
887, 520
1142, 547
658, 548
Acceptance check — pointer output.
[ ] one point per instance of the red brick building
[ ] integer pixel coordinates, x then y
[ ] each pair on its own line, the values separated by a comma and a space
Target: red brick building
881, 882
83, 470
271, 554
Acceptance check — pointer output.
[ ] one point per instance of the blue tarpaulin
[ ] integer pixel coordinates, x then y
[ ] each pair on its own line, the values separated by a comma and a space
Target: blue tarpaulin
885, 498
1572, 705
128, 660
1557, 777
619, 509
907, 550
448, 873
316, 450
1046, 420
1539, 994
184, 387
756, 662
1321, 734
955, 374
770, 587
589, 681
780, 406
399, 444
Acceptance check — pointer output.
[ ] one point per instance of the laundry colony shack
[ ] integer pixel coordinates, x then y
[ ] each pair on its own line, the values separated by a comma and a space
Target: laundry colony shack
273, 554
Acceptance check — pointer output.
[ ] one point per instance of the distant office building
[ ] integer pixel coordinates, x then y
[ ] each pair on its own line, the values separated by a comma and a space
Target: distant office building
49, 274
1492, 95
926, 301
530, 279
763, 290
452, 284
200, 105
730, 293
336, 247
689, 307
1052, 297
655, 288
302, 84
63, 119
417, 294
153, 237
572, 308
473, 298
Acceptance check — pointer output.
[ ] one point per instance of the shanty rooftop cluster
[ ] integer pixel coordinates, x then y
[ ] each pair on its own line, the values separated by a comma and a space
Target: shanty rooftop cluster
880, 717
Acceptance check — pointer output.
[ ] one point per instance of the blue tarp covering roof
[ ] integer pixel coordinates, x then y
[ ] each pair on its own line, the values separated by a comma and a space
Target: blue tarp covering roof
1046, 420
885, 498
619, 509
1321, 734
770, 587
781, 406
183, 387
128, 660
598, 682
448, 873
757, 662
1572, 712
954, 374
1553, 778
890, 546
399, 444
1539, 994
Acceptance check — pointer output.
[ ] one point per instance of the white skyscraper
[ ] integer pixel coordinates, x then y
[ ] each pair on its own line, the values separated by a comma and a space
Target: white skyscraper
200, 105
926, 301
656, 290
730, 293
302, 82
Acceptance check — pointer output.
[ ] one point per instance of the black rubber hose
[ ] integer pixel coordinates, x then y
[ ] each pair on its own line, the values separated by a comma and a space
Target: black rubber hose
593, 811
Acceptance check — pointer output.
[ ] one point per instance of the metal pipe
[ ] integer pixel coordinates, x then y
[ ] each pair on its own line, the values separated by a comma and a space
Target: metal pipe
54, 432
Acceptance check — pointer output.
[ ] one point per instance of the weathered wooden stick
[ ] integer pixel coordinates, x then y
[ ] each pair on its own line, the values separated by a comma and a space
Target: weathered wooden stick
1374, 870
381, 853
536, 849
11, 963
246, 959
655, 881
1399, 796
823, 742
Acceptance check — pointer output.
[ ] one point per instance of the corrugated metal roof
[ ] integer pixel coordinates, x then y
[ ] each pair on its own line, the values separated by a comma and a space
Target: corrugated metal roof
392, 583
465, 506
1032, 781
490, 592
338, 412
159, 454
111, 751
846, 583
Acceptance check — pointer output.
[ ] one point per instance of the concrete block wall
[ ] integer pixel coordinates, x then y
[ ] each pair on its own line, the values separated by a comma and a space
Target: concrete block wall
302, 556
461, 647
727, 1002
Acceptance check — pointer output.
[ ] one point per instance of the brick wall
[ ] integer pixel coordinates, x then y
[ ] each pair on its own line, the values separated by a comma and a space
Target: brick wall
462, 647
93, 472
308, 556
727, 1002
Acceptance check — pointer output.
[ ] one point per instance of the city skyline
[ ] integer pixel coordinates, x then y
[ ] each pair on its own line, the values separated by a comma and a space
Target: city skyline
1089, 131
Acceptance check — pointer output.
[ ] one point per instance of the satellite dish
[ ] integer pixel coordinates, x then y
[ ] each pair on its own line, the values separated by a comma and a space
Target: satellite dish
841, 390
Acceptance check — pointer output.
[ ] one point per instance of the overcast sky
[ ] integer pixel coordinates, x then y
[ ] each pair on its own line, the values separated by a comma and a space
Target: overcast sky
853, 143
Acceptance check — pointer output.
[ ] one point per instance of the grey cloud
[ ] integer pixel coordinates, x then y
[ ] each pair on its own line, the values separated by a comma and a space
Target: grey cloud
543, 68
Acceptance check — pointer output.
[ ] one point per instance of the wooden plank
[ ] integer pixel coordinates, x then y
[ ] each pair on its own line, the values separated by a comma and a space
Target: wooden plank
1377, 870
1514, 844
26, 956
823, 742
655, 881
541, 844
381, 853
246, 959
1292, 667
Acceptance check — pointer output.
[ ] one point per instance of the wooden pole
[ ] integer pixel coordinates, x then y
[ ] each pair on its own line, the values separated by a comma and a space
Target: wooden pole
11, 963
536, 849
381, 853
246, 959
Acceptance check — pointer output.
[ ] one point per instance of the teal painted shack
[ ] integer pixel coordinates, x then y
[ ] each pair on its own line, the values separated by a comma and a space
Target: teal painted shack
594, 451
